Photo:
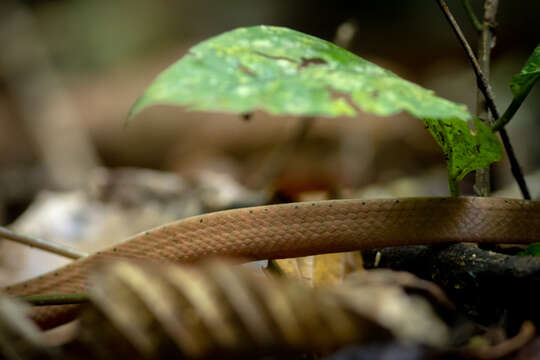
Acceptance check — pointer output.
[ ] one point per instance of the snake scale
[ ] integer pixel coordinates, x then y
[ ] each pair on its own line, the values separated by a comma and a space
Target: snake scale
300, 229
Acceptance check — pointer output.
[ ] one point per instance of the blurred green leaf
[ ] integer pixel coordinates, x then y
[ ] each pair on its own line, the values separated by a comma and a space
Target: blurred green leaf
521, 84
524, 81
285, 72
464, 150
531, 250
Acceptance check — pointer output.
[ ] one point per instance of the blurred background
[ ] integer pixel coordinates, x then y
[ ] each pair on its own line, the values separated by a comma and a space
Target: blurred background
70, 70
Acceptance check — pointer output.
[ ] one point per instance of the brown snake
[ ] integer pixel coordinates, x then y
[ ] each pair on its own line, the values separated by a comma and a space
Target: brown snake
300, 229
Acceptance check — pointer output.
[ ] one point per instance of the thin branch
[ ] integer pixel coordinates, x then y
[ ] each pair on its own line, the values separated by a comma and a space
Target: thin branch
55, 299
484, 51
485, 44
483, 84
485, 88
49, 246
472, 16
510, 112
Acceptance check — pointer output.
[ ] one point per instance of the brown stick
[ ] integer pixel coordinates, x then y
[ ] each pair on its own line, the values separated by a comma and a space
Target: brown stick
485, 44
49, 246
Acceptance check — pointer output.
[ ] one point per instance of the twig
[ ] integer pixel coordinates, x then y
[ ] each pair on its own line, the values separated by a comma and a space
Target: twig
483, 84
55, 299
472, 16
49, 246
485, 44
485, 88
484, 54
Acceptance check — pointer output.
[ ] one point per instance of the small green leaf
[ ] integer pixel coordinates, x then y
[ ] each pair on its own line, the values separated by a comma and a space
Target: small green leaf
521, 84
285, 72
464, 150
531, 250
524, 81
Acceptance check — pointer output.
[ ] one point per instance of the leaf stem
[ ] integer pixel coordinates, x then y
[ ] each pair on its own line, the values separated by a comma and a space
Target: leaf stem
49, 246
55, 299
472, 16
485, 88
454, 186
510, 111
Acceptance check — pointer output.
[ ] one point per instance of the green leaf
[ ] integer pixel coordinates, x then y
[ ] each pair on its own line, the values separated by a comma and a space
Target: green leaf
524, 81
285, 72
521, 84
464, 150
531, 250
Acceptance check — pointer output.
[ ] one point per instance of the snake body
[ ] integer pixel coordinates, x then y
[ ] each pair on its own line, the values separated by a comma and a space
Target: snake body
300, 229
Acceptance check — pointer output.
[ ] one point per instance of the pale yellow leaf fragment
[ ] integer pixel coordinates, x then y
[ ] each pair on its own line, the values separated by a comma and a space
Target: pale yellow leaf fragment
325, 269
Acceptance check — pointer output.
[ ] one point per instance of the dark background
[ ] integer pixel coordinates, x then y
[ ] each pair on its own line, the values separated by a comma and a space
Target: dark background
105, 52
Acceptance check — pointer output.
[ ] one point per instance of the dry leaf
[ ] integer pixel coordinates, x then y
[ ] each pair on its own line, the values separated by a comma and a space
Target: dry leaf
325, 269
222, 309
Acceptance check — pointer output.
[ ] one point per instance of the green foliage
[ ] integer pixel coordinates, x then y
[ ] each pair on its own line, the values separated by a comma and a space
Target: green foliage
285, 72
521, 84
531, 250
464, 150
